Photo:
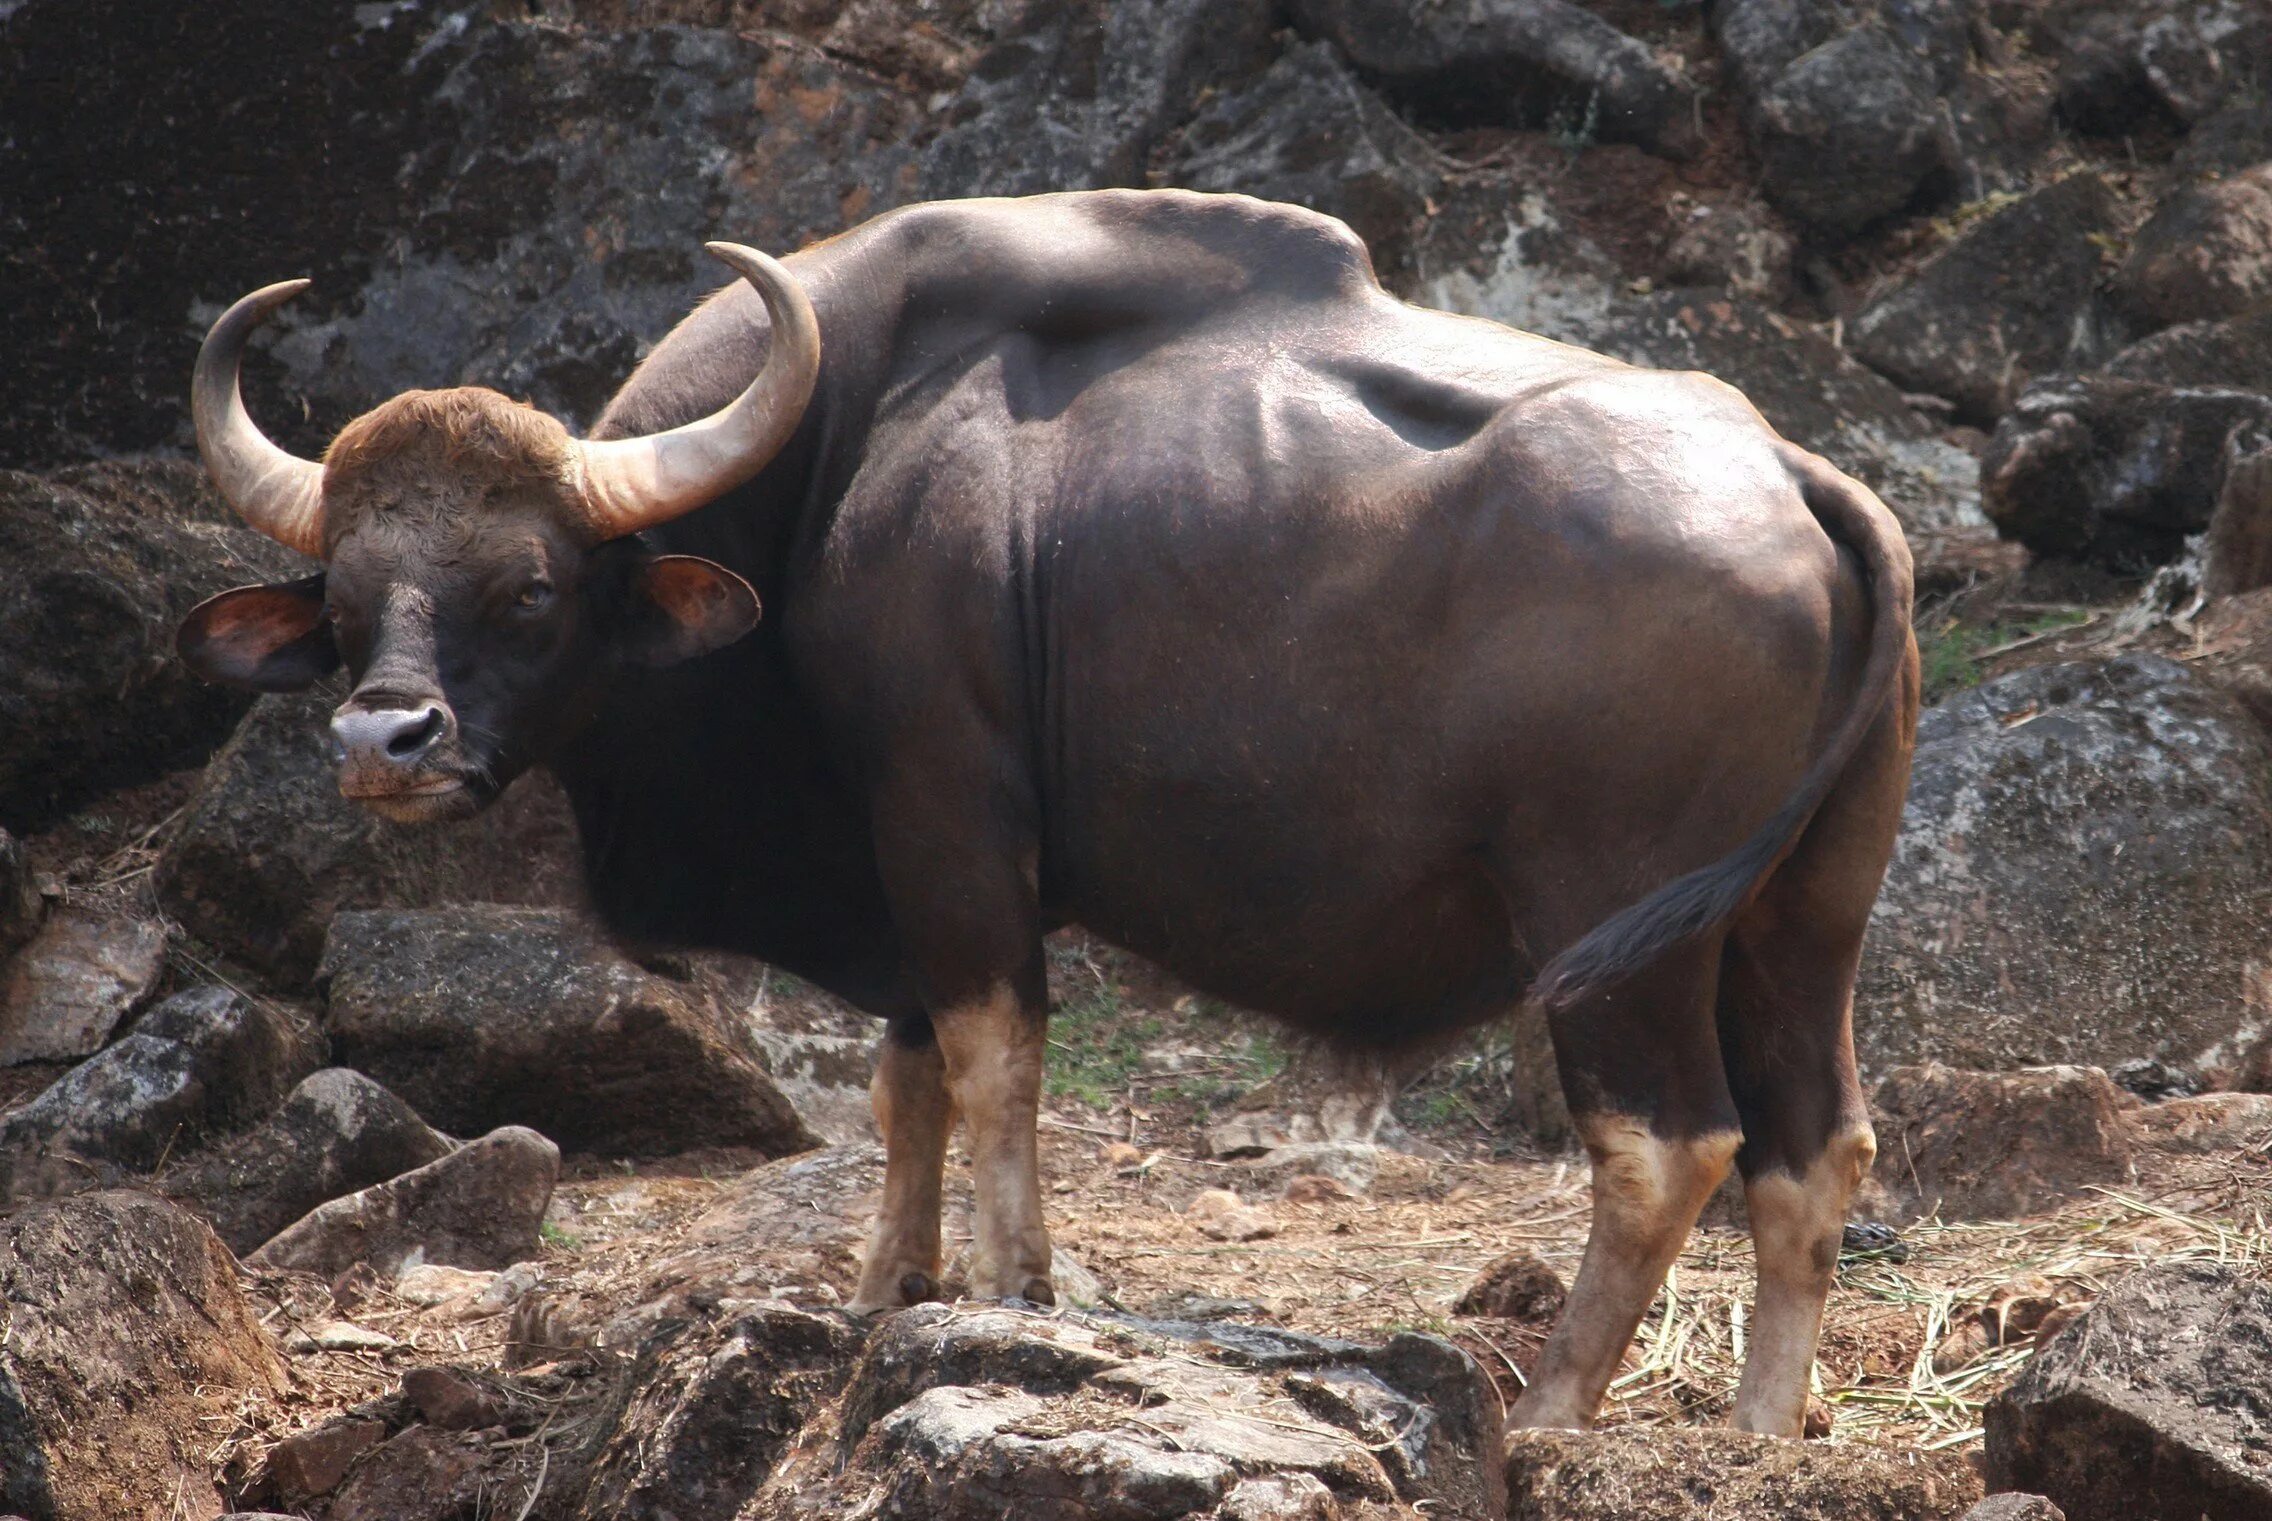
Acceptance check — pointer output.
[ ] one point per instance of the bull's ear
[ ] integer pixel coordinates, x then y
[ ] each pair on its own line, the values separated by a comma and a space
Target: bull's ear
268, 638
684, 606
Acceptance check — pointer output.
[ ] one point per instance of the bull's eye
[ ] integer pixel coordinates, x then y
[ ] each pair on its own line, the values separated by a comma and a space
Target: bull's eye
533, 596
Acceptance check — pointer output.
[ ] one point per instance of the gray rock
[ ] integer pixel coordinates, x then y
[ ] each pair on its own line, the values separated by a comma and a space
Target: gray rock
2148, 66
1517, 63
97, 566
1735, 242
1078, 96
201, 1063
20, 905
128, 1343
1658, 1473
2233, 138
821, 1055
1308, 132
2205, 253
713, 1410
472, 226
2082, 868
269, 852
1842, 100
2203, 1122
1517, 1286
482, 1016
942, 1417
2013, 295
2232, 353
2015, 1508
2149, 1404
478, 1207
2119, 472
337, 1132
81, 976
1996, 1145
1353, 1164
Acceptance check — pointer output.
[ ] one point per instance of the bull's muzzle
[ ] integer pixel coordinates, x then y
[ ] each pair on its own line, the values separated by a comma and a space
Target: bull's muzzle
388, 753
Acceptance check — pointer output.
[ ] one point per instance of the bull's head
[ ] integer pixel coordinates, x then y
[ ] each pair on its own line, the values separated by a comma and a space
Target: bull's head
477, 582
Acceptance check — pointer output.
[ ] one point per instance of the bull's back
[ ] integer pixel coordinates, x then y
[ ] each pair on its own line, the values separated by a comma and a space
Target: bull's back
1358, 648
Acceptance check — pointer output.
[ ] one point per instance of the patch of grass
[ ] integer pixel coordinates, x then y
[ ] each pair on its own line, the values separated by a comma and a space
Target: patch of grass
1096, 1046
1950, 651
553, 1235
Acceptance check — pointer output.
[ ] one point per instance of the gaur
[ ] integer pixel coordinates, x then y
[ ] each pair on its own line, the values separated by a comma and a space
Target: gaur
1131, 559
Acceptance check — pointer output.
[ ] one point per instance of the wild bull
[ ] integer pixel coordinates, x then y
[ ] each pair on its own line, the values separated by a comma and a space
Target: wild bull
1133, 559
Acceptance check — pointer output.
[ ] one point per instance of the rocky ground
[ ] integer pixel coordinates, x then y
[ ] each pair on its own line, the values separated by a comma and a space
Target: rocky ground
345, 1173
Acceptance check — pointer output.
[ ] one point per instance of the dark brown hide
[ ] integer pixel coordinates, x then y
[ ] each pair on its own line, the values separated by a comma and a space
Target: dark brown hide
1140, 562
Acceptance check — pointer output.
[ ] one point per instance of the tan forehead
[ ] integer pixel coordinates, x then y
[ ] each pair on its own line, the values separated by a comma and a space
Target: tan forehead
427, 459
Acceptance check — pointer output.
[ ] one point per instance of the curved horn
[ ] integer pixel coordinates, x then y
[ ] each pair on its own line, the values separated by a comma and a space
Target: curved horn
276, 492
635, 483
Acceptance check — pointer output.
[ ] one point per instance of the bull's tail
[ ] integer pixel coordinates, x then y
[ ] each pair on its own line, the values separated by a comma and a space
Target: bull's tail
1710, 896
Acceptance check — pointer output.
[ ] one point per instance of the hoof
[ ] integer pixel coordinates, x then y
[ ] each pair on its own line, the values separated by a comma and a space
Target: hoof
917, 1287
1039, 1291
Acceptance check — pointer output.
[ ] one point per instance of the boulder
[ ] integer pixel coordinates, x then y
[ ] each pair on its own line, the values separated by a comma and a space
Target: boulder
1735, 242
1517, 1286
2206, 252
425, 1473
2080, 874
2236, 136
1996, 1145
1321, 1098
958, 1412
821, 1054
1515, 63
100, 565
1355, 1165
796, 1228
712, 1411
203, 1062
337, 1132
307, 1465
2118, 472
20, 905
2013, 295
269, 852
83, 974
2229, 353
1307, 131
2236, 554
2015, 1508
2204, 1123
1675, 1473
2083, 867
1077, 96
129, 1346
2148, 67
472, 226
2150, 1405
1841, 101
478, 1207
484, 1016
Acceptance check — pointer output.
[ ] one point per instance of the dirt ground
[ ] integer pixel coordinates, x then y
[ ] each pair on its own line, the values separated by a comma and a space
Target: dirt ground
1911, 1352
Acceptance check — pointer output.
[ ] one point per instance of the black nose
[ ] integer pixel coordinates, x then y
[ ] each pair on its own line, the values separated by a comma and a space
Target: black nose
399, 736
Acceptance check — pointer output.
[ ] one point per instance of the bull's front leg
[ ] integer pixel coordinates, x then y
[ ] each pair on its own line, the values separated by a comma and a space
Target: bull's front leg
993, 1050
960, 872
914, 1115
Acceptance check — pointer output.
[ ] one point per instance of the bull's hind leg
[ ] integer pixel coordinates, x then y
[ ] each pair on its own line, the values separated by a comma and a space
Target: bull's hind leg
1786, 1033
1641, 1068
914, 1115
